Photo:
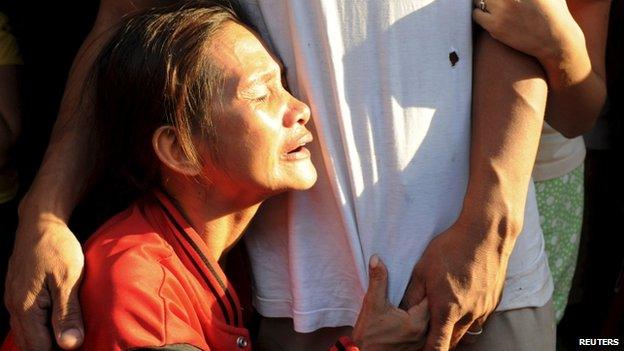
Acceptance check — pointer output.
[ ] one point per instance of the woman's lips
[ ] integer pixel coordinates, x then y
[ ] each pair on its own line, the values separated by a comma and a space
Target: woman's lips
296, 149
298, 154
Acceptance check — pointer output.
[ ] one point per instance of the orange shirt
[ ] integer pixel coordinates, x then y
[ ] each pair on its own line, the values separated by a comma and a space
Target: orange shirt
150, 283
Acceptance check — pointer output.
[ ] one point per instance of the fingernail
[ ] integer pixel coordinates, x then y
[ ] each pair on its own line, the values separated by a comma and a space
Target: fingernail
71, 337
374, 261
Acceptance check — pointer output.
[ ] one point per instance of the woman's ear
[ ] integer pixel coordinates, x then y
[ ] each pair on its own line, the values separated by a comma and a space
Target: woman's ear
169, 151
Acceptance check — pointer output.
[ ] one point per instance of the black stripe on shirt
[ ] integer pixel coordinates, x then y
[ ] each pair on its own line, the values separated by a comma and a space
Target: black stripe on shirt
172, 347
340, 346
212, 270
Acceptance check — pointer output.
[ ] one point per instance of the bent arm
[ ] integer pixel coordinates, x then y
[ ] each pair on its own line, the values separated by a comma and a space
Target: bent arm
67, 163
576, 69
46, 264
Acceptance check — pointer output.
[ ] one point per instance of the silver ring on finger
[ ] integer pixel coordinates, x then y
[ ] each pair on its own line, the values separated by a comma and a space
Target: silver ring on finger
475, 333
482, 6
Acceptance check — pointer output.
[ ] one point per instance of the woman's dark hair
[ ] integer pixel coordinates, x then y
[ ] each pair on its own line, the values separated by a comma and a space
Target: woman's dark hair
156, 71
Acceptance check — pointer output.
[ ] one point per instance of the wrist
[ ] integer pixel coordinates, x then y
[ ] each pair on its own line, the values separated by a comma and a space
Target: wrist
566, 61
34, 207
496, 217
492, 233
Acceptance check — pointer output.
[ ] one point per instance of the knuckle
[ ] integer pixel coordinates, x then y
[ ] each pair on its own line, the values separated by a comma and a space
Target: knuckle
21, 306
419, 330
444, 315
468, 317
67, 313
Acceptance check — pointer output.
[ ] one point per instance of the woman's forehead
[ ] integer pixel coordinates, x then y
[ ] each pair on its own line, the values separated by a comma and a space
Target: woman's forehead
240, 54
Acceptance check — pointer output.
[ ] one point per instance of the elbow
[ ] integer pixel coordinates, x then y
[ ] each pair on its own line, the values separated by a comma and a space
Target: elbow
573, 130
573, 123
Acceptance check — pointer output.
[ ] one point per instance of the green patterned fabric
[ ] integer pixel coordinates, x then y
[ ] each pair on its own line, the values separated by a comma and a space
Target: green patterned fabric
560, 203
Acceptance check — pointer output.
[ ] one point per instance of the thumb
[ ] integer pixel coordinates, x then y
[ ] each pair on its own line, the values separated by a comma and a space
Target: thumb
377, 292
67, 318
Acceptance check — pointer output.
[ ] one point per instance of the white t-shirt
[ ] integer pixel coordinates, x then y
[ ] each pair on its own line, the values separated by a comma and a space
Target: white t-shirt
557, 155
389, 85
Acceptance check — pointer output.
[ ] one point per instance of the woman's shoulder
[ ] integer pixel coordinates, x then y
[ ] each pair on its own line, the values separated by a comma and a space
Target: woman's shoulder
124, 251
123, 235
131, 277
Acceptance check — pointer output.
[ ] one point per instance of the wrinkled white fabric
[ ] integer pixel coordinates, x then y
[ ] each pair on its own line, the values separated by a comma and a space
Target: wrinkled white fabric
557, 155
389, 85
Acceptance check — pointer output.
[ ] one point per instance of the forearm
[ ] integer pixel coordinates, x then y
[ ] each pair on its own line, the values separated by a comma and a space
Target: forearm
577, 90
68, 162
508, 110
576, 68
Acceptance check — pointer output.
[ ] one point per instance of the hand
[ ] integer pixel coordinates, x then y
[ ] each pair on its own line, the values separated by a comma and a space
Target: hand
44, 274
539, 28
381, 326
462, 275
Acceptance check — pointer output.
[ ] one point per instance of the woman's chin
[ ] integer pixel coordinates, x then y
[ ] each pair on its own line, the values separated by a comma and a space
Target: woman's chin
306, 179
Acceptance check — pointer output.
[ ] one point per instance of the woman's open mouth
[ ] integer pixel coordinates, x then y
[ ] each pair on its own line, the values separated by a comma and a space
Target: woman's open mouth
296, 149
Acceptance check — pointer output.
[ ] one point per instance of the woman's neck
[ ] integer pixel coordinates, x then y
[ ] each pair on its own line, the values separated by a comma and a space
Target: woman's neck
219, 220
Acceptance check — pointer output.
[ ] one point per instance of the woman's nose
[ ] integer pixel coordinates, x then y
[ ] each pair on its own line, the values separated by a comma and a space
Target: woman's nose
298, 113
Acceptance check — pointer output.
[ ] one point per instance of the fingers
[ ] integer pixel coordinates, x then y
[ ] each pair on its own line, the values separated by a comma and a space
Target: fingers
29, 324
460, 329
43, 269
440, 332
67, 316
415, 292
420, 321
488, 3
484, 19
420, 311
377, 292
472, 333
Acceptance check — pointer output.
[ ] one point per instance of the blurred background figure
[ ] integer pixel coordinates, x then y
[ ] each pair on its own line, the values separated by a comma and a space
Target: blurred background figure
10, 126
596, 306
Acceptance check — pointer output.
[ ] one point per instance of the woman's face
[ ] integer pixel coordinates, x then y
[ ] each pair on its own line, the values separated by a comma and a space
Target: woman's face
260, 128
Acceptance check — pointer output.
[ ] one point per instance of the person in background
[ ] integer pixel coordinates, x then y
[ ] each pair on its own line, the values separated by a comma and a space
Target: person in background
601, 278
569, 41
10, 125
614, 323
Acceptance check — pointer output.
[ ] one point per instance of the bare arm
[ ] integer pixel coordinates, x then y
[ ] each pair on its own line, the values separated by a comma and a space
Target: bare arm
576, 76
66, 165
46, 265
463, 269
569, 41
